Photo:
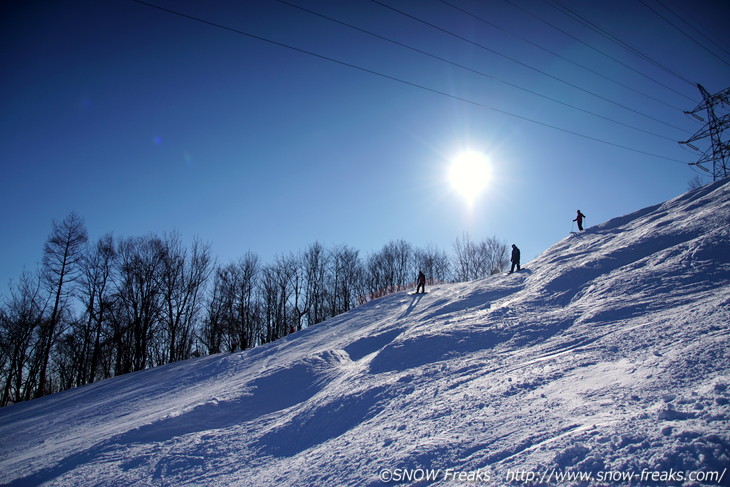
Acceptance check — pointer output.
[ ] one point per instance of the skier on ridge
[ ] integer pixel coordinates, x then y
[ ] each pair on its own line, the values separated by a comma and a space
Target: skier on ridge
579, 219
515, 259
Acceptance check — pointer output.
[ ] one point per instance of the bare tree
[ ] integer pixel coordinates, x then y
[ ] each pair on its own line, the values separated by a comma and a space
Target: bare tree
144, 301
493, 253
62, 255
463, 259
5, 355
476, 260
213, 330
97, 278
346, 279
314, 262
68, 359
140, 300
299, 296
404, 273
232, 321
21, 321
277, 289
695, 182
433, 262
377, 276
391, 269
182, 282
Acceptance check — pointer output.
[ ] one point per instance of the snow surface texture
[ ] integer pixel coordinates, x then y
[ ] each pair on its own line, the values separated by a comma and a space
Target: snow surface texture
608, 354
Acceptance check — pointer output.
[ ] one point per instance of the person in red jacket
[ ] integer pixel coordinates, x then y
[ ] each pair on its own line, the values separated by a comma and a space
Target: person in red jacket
579, 219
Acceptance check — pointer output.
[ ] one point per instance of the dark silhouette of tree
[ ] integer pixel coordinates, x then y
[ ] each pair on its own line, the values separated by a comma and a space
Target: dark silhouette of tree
21, 320
391, 269
314, 262
346, 280
62, 255
232, 313
139, 301
277, 289
122, 305
96, 285
182, 281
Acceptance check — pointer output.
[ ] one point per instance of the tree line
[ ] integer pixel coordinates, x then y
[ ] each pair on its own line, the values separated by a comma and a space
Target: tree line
94, 310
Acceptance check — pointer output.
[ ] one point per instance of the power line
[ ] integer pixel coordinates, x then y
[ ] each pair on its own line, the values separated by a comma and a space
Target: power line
480, 73
720, 46
682, 31
597, 28
597, 50
481, 46
542, 47
399, 80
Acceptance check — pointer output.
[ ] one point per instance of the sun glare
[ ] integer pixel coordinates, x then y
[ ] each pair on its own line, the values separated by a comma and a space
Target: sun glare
469, 174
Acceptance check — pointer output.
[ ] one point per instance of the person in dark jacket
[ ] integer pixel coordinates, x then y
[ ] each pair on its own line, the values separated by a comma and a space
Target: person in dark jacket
421, 282
515, 258
579, 219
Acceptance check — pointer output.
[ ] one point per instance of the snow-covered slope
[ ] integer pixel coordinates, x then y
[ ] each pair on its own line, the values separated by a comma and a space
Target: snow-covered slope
608, 356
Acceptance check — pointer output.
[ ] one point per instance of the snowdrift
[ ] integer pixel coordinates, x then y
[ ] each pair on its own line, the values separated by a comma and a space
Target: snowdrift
604, 362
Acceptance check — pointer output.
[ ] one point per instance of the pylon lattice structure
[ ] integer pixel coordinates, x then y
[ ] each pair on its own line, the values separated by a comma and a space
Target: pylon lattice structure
719, 152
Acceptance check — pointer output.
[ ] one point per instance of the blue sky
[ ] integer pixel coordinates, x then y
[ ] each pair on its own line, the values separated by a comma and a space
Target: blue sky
145, 121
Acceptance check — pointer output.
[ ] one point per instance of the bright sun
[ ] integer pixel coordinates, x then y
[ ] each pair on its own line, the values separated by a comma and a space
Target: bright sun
469, 174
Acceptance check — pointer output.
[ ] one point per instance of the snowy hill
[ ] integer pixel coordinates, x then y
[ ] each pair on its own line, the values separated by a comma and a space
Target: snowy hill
607, 357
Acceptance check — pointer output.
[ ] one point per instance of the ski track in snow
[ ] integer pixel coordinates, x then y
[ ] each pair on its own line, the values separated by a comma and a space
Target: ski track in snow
607, 353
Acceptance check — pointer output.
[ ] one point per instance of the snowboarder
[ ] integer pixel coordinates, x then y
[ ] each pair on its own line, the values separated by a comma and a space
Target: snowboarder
515, 258
421, 282
579, 219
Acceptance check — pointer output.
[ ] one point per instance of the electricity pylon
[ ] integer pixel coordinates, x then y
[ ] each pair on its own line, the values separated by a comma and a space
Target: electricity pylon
719, 152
